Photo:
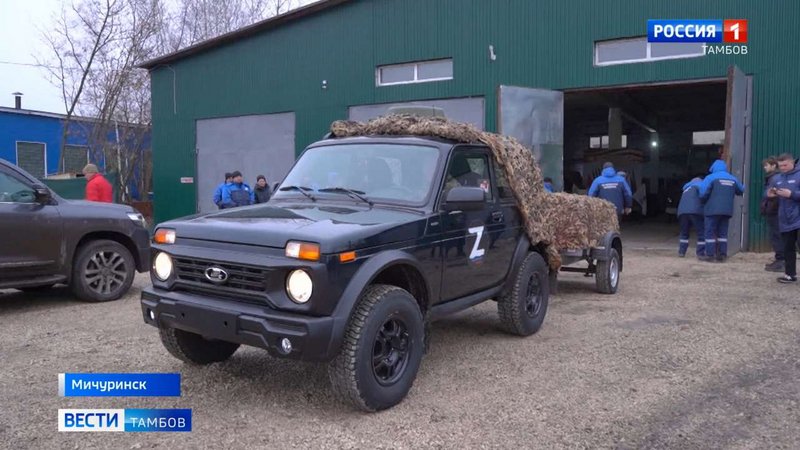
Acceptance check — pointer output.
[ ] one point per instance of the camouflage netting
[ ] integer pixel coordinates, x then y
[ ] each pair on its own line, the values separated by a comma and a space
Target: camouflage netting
577, 221
556, 221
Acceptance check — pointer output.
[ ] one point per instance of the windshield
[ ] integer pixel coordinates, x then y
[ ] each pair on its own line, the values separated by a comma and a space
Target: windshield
378, 172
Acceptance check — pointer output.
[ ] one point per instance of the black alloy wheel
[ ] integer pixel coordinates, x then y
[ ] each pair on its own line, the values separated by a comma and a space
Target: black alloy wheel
390, 351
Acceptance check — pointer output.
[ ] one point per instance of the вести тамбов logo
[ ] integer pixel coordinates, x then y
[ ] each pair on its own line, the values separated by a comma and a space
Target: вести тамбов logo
718, 37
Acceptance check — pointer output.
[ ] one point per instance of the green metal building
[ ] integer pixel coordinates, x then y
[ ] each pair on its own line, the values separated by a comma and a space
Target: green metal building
577, 75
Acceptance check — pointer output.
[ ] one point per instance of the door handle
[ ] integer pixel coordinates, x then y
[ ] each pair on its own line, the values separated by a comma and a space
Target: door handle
497, 216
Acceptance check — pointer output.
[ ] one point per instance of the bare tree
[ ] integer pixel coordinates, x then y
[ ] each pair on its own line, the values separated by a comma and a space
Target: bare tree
117, 94
95, 46
80, 32
198, 20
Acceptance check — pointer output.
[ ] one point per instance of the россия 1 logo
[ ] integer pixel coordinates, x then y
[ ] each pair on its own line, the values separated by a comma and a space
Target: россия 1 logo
731, 33
735, 31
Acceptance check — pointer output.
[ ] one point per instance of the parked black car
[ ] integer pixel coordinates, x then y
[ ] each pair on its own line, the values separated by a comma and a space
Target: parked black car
95, 248
367, 241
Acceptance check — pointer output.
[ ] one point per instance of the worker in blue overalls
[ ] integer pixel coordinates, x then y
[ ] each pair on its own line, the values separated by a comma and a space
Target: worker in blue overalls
690, 215
718, 190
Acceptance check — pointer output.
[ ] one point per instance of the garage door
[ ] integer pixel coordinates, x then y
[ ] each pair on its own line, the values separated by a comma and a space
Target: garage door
469, 110
30, 157
254, 145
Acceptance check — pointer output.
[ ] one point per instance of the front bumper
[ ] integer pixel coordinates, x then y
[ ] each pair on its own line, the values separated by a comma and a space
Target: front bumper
242, 323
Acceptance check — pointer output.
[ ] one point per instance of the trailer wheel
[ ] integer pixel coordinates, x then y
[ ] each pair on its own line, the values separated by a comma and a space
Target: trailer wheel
608, 271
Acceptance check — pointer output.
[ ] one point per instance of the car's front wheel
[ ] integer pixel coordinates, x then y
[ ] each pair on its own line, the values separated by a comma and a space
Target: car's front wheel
103, 270
382, 349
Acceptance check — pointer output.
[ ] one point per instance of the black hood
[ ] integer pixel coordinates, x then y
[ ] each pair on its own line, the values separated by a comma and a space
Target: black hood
335, 227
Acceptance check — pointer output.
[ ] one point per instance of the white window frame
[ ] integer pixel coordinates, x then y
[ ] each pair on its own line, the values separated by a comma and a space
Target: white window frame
623, 138
709, 131
416, 79
16, 154
647, 58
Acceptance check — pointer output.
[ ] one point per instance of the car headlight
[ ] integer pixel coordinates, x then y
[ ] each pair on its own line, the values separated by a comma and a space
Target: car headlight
299, 286
162, 266
138, 219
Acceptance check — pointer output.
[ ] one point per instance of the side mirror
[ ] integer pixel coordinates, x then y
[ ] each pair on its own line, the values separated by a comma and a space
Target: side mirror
465, 199
42, 194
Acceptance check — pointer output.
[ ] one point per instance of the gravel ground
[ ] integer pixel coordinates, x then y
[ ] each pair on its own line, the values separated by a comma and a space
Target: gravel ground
686, 355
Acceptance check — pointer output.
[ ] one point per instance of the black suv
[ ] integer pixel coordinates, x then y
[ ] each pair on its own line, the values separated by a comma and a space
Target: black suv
366, 242
95, 248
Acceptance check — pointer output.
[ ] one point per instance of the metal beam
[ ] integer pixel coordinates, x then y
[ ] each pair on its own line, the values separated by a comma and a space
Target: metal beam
633, 110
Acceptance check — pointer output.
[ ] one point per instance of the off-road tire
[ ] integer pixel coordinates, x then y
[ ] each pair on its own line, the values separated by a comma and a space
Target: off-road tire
193, 348
607, 277
518, 315
83, 289
352, 373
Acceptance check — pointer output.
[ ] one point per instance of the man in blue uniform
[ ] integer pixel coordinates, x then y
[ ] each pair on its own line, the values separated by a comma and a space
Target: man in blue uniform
613, 188
237, 193
786, 187
718, 190
690, 215
769, 209
218, 191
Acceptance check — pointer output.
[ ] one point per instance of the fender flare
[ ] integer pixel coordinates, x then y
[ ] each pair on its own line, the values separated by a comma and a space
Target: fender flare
603, 249
363, 278
520, 253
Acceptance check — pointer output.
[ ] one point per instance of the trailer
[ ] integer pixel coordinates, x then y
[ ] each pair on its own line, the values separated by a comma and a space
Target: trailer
604, 263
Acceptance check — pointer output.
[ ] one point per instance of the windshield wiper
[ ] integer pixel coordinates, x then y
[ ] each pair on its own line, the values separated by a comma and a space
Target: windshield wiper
350, 192
301, 189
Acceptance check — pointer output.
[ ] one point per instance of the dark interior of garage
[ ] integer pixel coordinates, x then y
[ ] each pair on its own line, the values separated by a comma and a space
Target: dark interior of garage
659, 135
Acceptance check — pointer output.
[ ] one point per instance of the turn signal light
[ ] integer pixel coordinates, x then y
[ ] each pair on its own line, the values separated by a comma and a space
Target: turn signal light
302, 250
347, 257
164, 236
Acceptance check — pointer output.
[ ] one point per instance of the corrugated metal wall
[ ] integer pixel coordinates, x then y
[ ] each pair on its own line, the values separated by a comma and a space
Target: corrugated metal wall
538, 44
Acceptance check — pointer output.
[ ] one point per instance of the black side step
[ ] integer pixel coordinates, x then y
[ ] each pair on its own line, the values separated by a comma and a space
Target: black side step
453, 306
32, 282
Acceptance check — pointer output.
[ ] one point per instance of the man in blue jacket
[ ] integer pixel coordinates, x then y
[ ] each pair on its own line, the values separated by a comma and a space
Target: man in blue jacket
690, 215
718, 190
613, 188
786, 187
218, 191
237, 193
769, 209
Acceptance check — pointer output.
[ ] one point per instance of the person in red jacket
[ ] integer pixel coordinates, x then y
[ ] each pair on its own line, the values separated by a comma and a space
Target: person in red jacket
98, 189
